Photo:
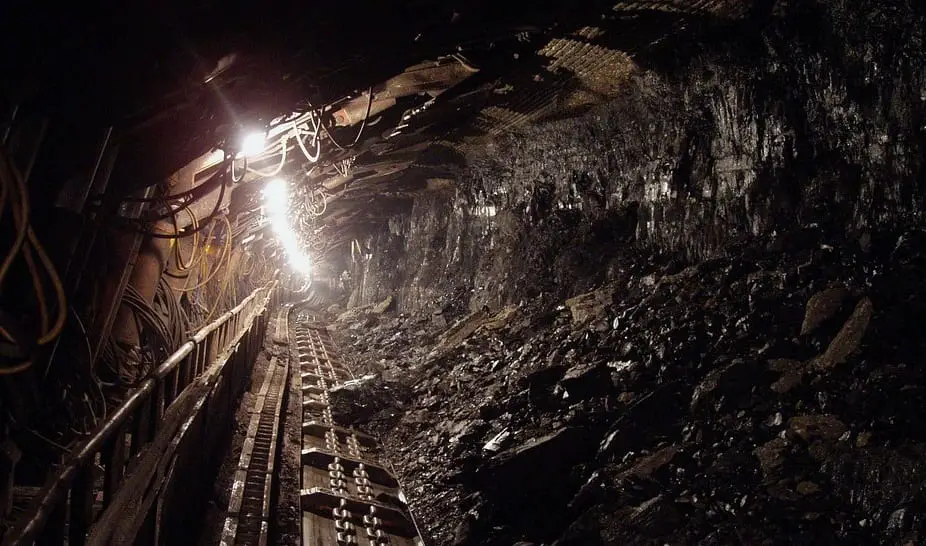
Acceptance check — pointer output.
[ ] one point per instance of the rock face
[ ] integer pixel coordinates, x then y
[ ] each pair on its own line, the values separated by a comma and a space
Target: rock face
470, 324
817, 119
735, 378
463, 329
718, 281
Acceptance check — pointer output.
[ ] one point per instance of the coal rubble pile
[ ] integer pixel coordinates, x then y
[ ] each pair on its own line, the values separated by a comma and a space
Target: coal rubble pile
772, 397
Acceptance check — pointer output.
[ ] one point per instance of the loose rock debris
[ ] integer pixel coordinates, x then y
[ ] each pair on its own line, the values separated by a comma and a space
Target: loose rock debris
774, 397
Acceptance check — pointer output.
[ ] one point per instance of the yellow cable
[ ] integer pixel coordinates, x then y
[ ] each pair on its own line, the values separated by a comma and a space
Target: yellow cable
228, 268
23, 215
218, 265
37, 287
3, 192
203, 263
195, 223
234, 287
218, 296
181, 266
59, 289
16, 369
22, 220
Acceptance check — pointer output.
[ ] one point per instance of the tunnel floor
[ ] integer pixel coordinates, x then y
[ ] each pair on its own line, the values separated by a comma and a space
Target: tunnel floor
769, 398
772, 397
292, 475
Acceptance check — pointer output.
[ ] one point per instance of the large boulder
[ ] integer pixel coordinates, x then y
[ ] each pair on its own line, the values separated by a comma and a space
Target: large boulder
591, 305
849, 338
822, 306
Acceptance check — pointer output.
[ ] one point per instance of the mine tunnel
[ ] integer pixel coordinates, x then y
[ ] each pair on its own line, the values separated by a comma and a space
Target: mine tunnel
463, 273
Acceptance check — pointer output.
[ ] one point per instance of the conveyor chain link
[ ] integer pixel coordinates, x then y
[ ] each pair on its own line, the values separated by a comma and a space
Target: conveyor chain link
349, 496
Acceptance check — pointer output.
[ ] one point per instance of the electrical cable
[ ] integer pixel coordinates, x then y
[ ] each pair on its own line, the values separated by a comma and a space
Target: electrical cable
245, 273
315, 141
45, 439
297, 118
37, 288
202, 190
310, 202
94, 380
21, 367
182, 195
83, 330
181, 265
59, 289
150, 324
126, 223
218, 265
213, 214
240, 178
221, 291
7, 171
199, 256
25, 238
279, 167
169, 307
3, 196
143, 311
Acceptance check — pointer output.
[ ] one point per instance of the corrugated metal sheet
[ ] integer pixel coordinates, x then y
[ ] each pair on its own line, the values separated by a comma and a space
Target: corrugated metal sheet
579, 73
733, 9
582, 72
599, 69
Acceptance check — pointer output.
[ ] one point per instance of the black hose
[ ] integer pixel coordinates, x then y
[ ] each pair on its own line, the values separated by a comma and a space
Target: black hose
203, 223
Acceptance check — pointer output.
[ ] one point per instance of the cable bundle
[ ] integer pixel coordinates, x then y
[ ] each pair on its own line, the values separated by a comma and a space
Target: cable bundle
165, 302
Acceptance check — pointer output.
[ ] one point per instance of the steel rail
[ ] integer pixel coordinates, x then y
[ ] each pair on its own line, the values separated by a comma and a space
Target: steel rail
52, 511
248, 518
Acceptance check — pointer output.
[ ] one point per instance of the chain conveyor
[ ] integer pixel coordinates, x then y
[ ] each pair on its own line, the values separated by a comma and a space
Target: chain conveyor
349, 494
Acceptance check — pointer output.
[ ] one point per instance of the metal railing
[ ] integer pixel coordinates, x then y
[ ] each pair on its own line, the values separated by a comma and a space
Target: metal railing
156, 421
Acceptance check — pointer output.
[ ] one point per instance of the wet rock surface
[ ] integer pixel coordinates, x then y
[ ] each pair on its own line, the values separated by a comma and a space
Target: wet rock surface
705, 412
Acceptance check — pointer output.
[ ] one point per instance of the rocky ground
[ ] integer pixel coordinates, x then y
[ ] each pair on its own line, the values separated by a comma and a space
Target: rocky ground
771, 397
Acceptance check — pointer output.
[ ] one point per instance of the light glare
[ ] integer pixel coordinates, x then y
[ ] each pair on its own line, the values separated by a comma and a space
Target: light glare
276, 201
277, 197
252, 144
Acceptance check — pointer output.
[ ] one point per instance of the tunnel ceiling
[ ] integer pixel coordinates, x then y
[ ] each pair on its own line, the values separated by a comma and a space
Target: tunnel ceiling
176, 81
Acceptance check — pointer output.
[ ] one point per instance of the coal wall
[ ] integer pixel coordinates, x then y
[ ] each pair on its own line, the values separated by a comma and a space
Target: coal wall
734, 138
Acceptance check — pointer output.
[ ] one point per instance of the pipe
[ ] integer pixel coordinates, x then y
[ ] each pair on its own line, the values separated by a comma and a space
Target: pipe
149, 266
355, 110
